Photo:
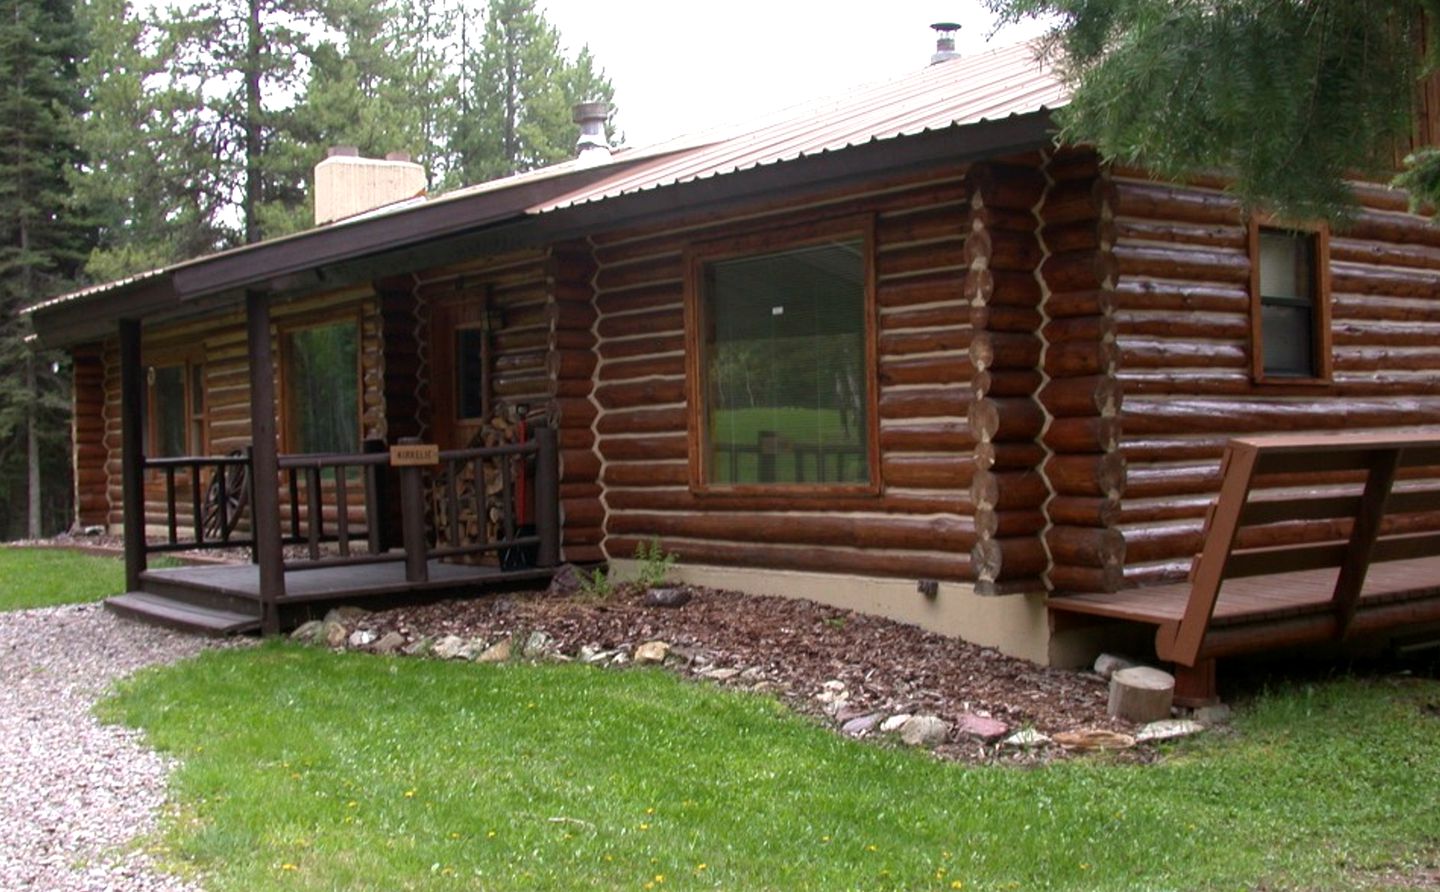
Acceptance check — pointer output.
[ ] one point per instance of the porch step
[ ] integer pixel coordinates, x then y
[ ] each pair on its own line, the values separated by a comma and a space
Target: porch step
159, 610
200, 586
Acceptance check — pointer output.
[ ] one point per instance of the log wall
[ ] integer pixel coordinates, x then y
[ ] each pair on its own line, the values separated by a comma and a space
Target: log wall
87, 421
219, 343
921, 523
1182, 322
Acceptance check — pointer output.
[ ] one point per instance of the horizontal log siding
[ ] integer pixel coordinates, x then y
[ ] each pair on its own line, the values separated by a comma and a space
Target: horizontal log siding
219, 343
87, 422
921, 525
1182, 317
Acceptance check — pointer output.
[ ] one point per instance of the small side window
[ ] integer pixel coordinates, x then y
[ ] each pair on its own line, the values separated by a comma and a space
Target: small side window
1290, 325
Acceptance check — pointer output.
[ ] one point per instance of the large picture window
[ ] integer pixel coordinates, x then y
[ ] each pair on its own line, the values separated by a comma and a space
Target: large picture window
1290, 318
322, 387
783, 371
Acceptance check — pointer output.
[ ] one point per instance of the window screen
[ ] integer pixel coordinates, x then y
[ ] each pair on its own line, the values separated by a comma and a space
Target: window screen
322, 388
785, 369
1287, 303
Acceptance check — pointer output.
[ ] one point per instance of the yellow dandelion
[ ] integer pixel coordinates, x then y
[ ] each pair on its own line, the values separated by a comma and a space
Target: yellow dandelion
872, 848
644, 826
409, 794
490, 835
956, 884
659, 877
288, 866
650, 810
454, 835
701, 866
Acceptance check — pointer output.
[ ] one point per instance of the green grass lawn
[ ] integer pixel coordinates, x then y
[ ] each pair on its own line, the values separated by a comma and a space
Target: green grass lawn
44, 577
307, 770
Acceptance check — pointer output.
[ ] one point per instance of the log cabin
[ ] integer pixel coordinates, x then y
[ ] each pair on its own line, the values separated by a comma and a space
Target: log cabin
899, 352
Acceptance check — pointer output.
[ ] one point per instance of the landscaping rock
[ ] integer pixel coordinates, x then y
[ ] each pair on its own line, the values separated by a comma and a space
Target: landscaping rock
498, 652
307, 633
652, 652
925, 730
670, 596
361, 637
346, 614
1141, 694
983, 727
537, 644
1218, 714
1027, 737
1107, 665
389, 643
472, 649
567, 580
1094, 739
894, 723
449, 647
418, 648
1168, 729
721, 674
862, 725
832, 693
335, 633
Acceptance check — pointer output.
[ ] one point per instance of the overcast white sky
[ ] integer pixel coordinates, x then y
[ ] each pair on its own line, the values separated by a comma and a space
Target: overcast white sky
679, 66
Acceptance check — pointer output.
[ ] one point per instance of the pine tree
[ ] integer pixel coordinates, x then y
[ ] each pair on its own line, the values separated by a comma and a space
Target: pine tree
43, 242
516, 112
1287, 97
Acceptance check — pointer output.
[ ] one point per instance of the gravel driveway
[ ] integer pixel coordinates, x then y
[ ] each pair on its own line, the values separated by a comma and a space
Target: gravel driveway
75, 793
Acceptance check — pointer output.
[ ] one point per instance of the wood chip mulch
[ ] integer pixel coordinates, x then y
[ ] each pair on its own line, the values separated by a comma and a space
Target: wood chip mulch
791, 648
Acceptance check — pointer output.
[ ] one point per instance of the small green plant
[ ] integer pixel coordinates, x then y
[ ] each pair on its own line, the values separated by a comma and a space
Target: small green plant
655, 563
597, 585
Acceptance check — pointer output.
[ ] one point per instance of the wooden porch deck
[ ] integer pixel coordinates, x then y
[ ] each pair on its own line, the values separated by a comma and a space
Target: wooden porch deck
348, 582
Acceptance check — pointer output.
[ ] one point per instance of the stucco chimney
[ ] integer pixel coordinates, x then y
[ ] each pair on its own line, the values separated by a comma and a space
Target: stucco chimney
347, 184
944, 42
591, 147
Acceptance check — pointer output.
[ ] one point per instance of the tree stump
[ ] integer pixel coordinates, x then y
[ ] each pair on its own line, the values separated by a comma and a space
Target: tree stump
1141, 694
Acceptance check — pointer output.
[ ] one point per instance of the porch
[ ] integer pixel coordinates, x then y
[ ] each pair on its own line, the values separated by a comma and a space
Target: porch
394, 520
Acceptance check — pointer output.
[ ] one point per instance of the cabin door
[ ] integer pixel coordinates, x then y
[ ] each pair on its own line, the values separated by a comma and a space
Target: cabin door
460, 369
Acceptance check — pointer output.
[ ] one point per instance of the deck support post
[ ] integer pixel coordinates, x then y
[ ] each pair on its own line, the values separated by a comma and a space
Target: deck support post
265, 470
547, 496
412, 520
1196, 686
132, 451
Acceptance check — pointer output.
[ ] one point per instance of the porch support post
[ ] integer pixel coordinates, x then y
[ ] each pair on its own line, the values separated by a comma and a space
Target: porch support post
132, 451
547, 496
265, 470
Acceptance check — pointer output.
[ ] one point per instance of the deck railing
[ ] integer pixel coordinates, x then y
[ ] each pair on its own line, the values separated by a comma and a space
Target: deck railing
319, 492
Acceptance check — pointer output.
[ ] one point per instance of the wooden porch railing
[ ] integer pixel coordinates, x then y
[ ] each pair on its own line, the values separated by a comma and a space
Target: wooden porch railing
214, 505
315, 485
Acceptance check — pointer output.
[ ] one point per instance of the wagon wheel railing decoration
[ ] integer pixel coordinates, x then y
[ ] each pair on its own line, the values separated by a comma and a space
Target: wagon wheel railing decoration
230, 487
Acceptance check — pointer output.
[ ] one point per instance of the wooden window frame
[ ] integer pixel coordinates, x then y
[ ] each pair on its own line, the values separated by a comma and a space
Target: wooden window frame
1321, 332
285, 375
190, 363
859, 227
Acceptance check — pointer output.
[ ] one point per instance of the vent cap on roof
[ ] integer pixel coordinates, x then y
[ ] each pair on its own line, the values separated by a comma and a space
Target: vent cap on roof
944, 42
591, 147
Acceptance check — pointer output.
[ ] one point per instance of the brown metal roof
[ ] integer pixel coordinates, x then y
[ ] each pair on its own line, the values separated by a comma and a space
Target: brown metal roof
1000, 85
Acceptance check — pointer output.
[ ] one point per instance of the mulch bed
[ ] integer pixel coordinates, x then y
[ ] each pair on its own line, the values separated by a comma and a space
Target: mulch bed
791, 648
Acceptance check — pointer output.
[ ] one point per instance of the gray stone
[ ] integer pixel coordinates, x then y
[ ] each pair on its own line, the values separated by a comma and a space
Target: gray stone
754, 673
335, 633
498, 652
389, 643
1218, 714
720, 674
924, 730
537, 644
862, 725
346, 614
567, 581
361, 637
308, 632
983, 727
668, 596
472, 649
833, 692
449, 647
1107, 665
1027, 737
894, 723
417, 648
652, 652
1168, 729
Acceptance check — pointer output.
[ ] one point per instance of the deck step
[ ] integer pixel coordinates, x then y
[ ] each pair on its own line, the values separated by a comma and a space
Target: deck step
159, 610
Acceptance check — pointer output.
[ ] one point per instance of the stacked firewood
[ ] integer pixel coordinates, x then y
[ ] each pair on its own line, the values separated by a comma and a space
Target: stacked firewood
500, 430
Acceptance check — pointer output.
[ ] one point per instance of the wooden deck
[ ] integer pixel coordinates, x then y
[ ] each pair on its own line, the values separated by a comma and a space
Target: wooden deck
349, 582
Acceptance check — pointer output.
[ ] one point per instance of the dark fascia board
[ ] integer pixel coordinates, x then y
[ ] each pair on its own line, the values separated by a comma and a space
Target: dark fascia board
88, 319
